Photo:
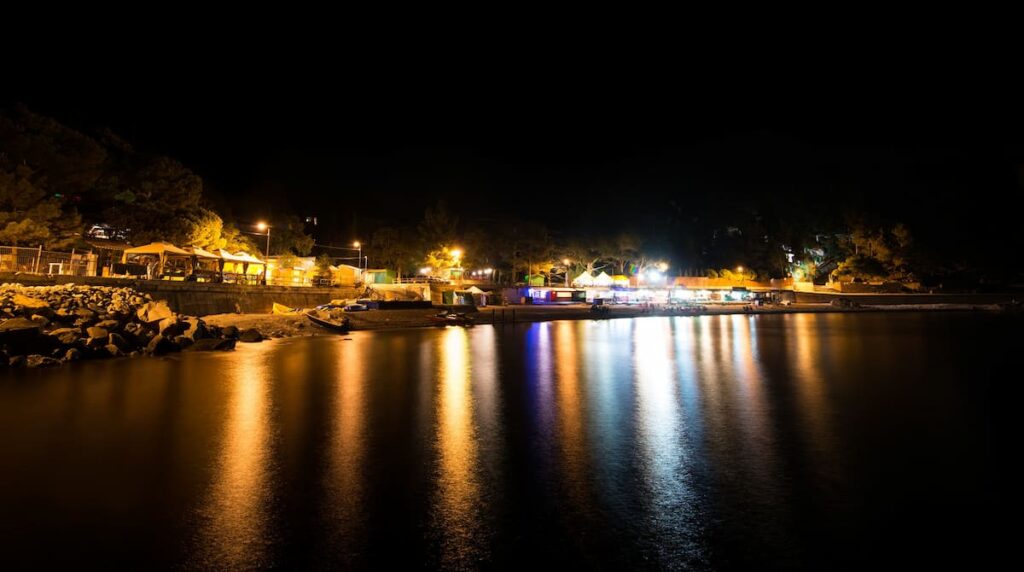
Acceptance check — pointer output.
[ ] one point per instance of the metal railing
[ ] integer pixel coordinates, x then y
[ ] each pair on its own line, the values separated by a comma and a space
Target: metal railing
46, 262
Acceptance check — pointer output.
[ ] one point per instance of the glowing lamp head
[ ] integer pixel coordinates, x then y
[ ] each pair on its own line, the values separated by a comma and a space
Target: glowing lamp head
663, 266
456, 253
739, 269
357, 244
425, 270
565, 261
261, 226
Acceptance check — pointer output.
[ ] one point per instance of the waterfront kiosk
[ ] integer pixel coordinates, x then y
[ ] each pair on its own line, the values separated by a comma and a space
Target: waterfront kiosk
160, 259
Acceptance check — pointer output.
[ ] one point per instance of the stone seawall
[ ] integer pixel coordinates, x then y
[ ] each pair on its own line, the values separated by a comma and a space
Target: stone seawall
201, 298
902, 299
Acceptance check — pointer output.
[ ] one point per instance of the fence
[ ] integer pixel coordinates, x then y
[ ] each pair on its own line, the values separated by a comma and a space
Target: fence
39, 261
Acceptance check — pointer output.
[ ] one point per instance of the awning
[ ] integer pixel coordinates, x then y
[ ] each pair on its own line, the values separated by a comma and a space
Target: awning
239, 257
165, 248
202, 253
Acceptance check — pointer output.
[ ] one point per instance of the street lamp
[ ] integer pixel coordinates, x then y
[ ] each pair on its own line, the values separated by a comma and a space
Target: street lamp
262, 226
359, 259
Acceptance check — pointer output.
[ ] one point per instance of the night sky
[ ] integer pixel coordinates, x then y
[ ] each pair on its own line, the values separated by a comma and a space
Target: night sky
359, 149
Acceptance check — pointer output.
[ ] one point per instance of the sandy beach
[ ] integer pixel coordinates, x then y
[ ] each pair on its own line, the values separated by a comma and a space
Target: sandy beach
296, 325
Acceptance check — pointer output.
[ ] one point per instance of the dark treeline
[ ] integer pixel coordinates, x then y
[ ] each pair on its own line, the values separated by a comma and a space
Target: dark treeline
772, 205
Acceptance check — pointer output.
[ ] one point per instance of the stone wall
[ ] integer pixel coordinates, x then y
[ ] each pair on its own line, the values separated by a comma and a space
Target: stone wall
201, 298
893, 299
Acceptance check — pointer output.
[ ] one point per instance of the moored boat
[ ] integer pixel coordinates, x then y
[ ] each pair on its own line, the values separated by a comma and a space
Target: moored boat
341, 325
446, 317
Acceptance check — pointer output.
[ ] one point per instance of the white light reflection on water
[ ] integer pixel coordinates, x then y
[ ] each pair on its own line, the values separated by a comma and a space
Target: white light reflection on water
670, 501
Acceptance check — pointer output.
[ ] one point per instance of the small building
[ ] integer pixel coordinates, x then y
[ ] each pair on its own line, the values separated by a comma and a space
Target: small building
379, 276
551, 295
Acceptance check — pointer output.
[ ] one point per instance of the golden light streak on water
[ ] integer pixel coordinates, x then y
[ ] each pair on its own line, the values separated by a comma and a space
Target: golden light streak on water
570, 439
344, 479
236, 509
456, 511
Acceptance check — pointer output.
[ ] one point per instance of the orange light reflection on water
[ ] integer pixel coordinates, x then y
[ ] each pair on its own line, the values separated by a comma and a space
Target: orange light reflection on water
458, 487
234, 535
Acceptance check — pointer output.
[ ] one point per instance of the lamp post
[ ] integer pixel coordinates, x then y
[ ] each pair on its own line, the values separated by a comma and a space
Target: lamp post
264, 226
359, 260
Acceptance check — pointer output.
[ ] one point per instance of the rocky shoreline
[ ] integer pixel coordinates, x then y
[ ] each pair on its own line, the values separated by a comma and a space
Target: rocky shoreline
43, 326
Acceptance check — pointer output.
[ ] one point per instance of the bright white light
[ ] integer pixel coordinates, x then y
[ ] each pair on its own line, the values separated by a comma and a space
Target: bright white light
663, 266
425, 270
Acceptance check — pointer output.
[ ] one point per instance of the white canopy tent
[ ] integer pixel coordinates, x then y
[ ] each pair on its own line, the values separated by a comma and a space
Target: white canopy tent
603, 279
584, 279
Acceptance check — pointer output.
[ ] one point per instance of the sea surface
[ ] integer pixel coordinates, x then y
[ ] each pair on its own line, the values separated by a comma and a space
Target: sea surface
712, 442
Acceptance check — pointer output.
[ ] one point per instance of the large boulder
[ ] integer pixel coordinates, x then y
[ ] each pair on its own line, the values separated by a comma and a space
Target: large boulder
195, 329
230, 332
160, 345
17, 329
32, 305
171, 327
154, 312
36, 360
250, 336
97, 332
85, 313
211, 344
118, 340
109, 325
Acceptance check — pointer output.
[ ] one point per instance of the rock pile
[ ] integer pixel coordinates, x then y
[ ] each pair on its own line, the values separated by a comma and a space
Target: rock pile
50, 325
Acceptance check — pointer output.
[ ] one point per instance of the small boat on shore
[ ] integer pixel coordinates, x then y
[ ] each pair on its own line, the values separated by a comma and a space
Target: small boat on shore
281, 309
337, 325
446, 317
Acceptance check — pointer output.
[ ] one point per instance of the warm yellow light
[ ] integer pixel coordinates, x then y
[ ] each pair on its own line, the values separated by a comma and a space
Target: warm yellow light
663, 266
356, 244
456, 253
739, 269
565, 261
261, 226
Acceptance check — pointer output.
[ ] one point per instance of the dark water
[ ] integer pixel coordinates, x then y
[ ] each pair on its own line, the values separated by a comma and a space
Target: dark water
708, 442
